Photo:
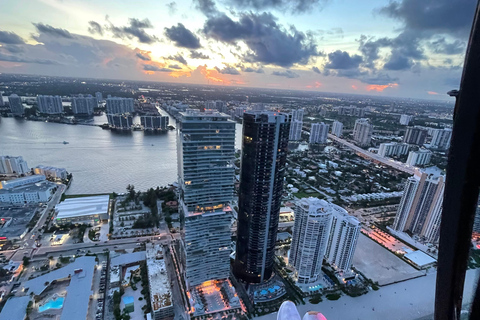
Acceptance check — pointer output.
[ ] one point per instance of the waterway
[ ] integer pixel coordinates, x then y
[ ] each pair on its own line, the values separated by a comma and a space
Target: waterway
101, 161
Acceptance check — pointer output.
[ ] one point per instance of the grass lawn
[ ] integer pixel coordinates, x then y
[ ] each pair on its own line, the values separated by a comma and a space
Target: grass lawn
303, 194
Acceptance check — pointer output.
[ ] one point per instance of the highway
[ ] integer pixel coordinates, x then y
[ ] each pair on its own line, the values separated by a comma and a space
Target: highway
375, 157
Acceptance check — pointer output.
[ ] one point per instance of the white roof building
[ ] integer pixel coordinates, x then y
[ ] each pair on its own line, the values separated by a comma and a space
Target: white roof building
73, 210
420, 259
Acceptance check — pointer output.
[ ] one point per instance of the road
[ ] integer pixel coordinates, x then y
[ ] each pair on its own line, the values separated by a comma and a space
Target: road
375, 157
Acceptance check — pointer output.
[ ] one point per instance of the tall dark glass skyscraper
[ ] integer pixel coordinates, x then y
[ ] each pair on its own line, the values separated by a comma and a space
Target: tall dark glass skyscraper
264, 154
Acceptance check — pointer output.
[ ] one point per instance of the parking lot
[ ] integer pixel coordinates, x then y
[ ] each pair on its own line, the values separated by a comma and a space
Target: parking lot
97, 303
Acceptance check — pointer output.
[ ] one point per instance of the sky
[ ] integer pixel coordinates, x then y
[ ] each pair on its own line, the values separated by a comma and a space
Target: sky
398, 48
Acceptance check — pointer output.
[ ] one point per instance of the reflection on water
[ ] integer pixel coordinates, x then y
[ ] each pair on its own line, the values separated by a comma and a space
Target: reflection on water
100, 160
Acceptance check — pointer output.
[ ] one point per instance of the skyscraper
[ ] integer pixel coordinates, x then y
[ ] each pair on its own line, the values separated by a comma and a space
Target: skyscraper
420, 208
10, 165
16, 105
388, 149
2, 103
264, 154
441, 139
99, 97
362, 132
405, 119
117, 105
313, 220
337, 128
319, 133
206, 148
476, 222
84, 105
419, 158
415, 135
343, 238
50, 104
296, 125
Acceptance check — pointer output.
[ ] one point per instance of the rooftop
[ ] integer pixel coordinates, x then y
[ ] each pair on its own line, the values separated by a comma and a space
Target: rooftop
84, 206
127, 258
420, 258
78, 292
157, 276
15, 308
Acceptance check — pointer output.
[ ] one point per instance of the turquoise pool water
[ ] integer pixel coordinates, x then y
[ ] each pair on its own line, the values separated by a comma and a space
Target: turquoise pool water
52, 304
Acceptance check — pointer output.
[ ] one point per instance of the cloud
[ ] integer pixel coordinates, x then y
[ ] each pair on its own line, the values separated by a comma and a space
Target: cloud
179, 58
17, 58
432, 92
343, 60
370, 49
175, 66
228, 70
198, 55
56, 32
207, 7
13, 48
143, 56
442, 46
398, 61
315, 85
182, 37
150, 67
135, 29
293, 6
380, 88
95, 27
316, 70
172, 7
257, 70
287, 73
268, 42
433, 16
8, 37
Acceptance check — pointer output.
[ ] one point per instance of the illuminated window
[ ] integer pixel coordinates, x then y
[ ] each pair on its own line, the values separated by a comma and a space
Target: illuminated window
188, 183
217, 147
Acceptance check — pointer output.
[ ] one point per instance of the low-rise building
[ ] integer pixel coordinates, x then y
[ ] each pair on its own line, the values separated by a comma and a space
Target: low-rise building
15, 183
159, 284
31, 193
92, 210
51, 172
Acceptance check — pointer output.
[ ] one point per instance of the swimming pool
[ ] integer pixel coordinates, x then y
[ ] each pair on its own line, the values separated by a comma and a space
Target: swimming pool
52, 304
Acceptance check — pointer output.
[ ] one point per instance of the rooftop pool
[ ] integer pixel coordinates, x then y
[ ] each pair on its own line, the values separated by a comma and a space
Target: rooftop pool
56, 303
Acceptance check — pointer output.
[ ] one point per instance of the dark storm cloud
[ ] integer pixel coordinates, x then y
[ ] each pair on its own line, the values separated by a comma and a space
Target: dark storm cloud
294, 6
149, 67
174, 66
442, 46
438, 16
269, 42
8, 37
207, 7
182, 37
142, 56
370, 48
178, 58
56, 32
13, 48
422, 21
228, 70
316, 70
343, 60
135, 29
398, 61
95, 27
20, 58
287, 73
198, 55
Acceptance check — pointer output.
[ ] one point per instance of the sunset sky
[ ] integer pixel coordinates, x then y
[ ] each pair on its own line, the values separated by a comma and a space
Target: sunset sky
406, 48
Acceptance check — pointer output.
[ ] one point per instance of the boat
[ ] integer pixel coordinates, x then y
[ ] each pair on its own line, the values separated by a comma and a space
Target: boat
65, 142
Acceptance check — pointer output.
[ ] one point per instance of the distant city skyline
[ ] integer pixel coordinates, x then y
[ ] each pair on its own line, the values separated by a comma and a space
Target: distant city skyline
401, 48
